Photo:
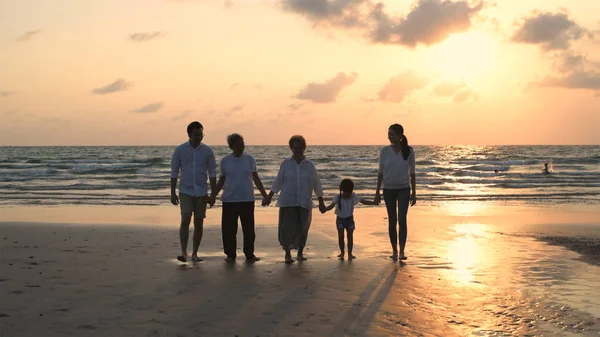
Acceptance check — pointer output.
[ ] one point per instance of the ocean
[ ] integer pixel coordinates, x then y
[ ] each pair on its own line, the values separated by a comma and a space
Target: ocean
140, 175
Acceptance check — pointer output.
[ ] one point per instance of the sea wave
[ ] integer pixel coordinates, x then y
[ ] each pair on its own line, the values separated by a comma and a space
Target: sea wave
105, 175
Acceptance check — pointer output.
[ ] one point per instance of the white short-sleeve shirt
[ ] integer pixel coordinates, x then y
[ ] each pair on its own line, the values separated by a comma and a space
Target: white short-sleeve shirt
347, 205
396, 170
238, 178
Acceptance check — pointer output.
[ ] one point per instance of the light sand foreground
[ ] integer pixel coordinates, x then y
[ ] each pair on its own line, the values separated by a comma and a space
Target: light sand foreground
115, 281
69, 279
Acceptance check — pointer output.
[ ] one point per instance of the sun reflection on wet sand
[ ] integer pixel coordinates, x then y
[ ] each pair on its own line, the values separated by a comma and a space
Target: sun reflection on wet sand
482, 280
466, 252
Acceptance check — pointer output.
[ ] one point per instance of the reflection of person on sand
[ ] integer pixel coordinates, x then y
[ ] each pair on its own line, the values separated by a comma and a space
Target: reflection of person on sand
345, 202
193, 160
546, 170
297, 179
396, 167
237, 171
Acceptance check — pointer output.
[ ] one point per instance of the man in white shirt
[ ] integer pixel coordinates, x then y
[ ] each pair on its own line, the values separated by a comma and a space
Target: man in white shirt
297, 179
237, 172
191, 162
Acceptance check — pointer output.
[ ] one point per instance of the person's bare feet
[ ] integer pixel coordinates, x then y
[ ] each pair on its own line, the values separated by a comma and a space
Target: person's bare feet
195, 258
301, 257
288, 259
182, 258
229, 259
351, 257
402, 256
341, 255
394, 256
252, 259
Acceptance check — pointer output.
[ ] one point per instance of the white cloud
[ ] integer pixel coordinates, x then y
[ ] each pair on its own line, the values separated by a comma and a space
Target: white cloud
399, 86
146, 36
116, 86
149, 108
328, 91
29, 35
550, 31
7, 93
574, 80
429, 22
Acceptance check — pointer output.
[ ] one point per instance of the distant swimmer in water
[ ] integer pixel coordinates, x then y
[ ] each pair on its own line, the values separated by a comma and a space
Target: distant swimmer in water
546, 170
495, 171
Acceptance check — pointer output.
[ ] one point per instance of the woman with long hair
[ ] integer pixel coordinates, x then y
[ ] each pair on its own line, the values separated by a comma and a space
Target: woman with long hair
397, 173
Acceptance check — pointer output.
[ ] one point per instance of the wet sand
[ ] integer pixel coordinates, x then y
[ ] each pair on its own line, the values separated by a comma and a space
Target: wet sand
588, 247
111, 271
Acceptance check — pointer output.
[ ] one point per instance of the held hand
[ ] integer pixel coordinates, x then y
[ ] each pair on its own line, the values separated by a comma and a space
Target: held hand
211, 200
377, 199
266, 201
322, 208
174, 199
413, 199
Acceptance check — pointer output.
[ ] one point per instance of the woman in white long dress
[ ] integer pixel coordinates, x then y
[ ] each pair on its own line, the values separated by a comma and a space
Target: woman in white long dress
296, 181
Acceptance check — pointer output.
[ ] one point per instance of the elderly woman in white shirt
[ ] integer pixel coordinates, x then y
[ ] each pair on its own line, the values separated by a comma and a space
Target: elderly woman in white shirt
397, 172
237, 172
297, 179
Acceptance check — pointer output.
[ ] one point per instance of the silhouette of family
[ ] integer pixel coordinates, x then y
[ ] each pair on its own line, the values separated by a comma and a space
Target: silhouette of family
193, 164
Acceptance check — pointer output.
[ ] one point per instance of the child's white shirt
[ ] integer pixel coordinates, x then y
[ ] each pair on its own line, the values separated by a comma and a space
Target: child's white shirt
347, 209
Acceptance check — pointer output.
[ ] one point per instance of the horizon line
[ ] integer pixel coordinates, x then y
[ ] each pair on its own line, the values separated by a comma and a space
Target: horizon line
278, 145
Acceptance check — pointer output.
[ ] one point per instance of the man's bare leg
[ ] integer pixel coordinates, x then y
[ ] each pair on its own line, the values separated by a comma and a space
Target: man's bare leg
184, 234
198, 231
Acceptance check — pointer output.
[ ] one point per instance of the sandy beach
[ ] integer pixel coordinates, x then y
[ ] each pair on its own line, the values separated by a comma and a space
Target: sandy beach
472, 270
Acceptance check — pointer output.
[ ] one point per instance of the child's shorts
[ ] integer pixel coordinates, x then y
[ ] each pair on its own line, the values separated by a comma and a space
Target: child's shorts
347, 223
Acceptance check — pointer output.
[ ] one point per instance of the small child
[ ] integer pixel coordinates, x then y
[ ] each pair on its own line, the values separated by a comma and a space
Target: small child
345, 202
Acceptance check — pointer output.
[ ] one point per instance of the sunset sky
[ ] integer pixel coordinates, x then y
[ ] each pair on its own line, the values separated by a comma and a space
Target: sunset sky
125, 72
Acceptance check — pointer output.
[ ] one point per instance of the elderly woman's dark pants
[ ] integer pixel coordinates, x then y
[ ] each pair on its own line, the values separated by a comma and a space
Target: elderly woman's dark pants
229, 227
